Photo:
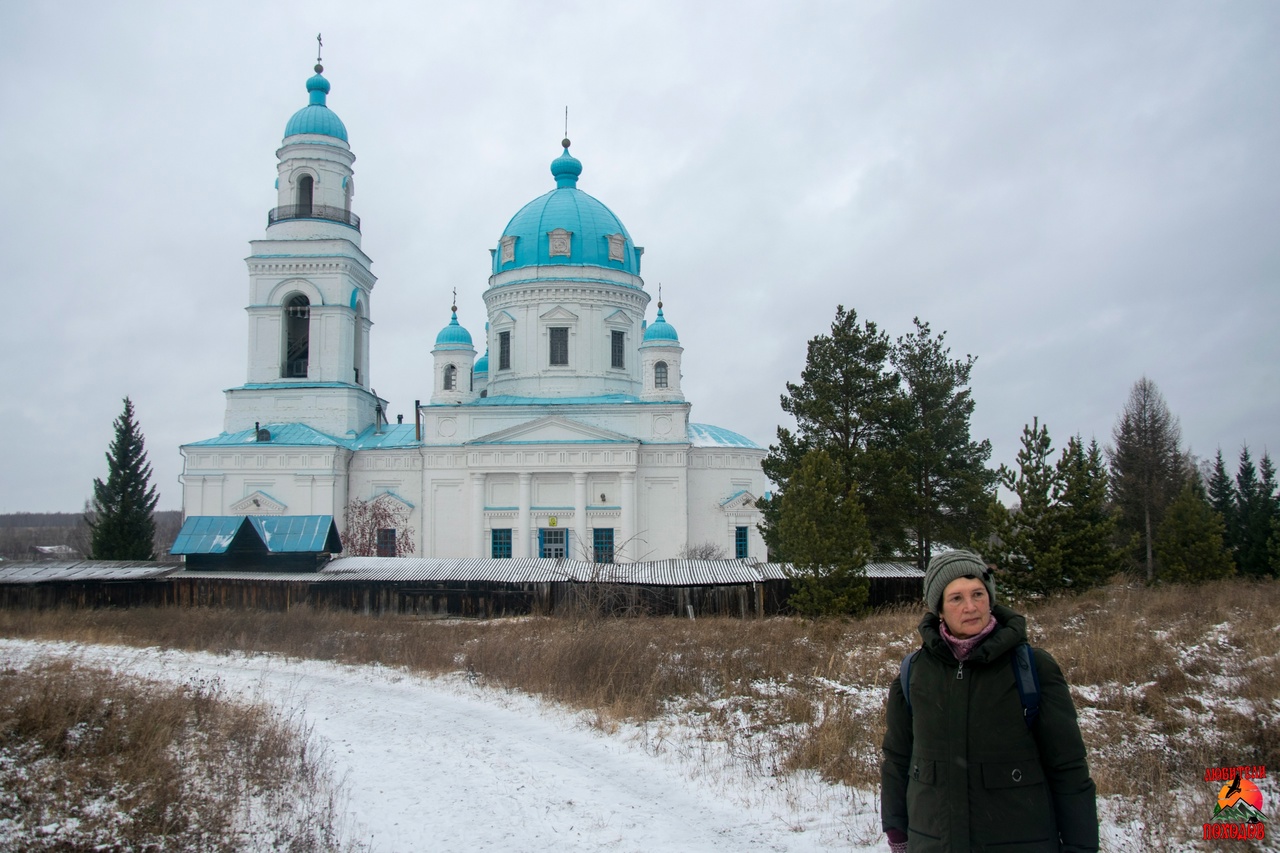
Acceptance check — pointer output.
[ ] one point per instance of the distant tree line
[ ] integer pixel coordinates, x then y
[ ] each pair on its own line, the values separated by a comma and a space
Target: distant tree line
882, 465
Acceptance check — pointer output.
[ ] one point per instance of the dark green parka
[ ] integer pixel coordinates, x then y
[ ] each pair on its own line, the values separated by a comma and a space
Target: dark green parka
962, 771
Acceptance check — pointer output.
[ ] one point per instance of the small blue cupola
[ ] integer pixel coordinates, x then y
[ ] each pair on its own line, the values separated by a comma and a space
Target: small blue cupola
660, 331
454, 336
316, 118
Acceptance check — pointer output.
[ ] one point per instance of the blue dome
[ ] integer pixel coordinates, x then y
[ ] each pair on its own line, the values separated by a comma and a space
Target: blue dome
453, 336
589, 223
315, 117
482, 364
660, 330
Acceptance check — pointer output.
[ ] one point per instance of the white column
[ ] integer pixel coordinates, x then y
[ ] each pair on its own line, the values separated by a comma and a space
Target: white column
582, 545
477, 515
521, 547
626, 543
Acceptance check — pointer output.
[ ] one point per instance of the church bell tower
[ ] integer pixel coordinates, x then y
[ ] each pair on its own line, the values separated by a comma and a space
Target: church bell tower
309, 288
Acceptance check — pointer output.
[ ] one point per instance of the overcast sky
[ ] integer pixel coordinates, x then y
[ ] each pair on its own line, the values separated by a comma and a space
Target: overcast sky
1080, 194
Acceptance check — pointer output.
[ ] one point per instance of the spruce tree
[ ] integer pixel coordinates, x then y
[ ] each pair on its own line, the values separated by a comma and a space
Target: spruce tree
1030, 535
822, 530
121, 520
1089, 557
948, 482
1189, 543
1222, 497
1256, 511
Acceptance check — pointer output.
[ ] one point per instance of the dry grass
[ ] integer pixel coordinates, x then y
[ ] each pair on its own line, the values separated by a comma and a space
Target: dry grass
1168, 680
92, 761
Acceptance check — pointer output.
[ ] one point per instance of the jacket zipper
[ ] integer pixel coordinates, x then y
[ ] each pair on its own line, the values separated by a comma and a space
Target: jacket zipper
960, 672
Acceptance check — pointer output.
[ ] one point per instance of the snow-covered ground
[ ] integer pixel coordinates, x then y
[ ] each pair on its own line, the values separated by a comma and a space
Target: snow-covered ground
444, 764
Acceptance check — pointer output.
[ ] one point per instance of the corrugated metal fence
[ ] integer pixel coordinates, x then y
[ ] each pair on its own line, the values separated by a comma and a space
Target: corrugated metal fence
440, 587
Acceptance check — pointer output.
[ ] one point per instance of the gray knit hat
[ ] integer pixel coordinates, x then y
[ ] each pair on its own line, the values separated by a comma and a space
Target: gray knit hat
946, 567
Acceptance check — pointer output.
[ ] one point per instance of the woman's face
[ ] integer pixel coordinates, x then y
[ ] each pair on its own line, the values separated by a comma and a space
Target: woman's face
966, 607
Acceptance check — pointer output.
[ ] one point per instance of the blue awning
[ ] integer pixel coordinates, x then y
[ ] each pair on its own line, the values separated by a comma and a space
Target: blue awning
279, 534
297, 533
207, 534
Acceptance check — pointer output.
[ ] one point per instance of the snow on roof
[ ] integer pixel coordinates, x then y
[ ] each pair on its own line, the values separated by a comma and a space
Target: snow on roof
707, 435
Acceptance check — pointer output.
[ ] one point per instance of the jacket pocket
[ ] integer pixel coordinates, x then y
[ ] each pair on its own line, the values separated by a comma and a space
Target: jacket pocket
926, 803
1013, 807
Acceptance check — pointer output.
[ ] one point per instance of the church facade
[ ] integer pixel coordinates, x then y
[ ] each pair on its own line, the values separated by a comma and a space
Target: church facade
570, 436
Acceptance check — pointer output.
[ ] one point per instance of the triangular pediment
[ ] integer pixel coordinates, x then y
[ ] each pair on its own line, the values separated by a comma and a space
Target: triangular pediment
559, 313
390, 498
553, 430
503, 318
258, 503
618, 318
739, 500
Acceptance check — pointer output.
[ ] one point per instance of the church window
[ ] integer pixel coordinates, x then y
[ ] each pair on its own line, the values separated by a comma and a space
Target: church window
740, 543
504, 350
508, 249
619, 353
552, 542
387, 542
450, 377
357, 351
297, 322
306, 188
500, 547
559, 345
602, 544
660, 375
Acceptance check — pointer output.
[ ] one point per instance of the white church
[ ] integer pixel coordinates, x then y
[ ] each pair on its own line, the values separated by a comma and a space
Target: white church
568, 437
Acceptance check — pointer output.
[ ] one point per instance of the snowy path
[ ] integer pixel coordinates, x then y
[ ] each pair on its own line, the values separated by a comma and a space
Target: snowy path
438, 765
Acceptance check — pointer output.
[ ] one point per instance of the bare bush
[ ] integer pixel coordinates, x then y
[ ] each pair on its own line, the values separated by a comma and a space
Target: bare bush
90, 760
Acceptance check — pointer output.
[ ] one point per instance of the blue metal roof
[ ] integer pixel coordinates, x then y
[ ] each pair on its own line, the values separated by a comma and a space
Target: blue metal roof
291, 435
706, 435
392, 435
587, 219
292, 534
316, 117
281, 534
207, 534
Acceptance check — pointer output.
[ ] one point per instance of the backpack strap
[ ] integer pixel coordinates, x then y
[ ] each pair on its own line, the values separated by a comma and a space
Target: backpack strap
1027, 678
904, 676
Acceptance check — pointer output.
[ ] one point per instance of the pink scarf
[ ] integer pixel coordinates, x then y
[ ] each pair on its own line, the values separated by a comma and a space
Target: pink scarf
963, 648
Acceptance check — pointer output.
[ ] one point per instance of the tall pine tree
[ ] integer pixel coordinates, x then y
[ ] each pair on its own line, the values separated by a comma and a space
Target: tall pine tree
1256, 509
1030, 535
1189, 542
948, 481
1222, 497
846, 403
122, 524
823, 531
1148, 467
1086, 522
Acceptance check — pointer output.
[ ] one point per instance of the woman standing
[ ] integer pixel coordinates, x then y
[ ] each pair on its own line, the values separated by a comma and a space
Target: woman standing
969, 762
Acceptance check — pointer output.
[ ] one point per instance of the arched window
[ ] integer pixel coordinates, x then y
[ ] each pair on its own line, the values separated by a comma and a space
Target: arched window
306, 188
357, 354
660, 375
297, 328
450, 377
